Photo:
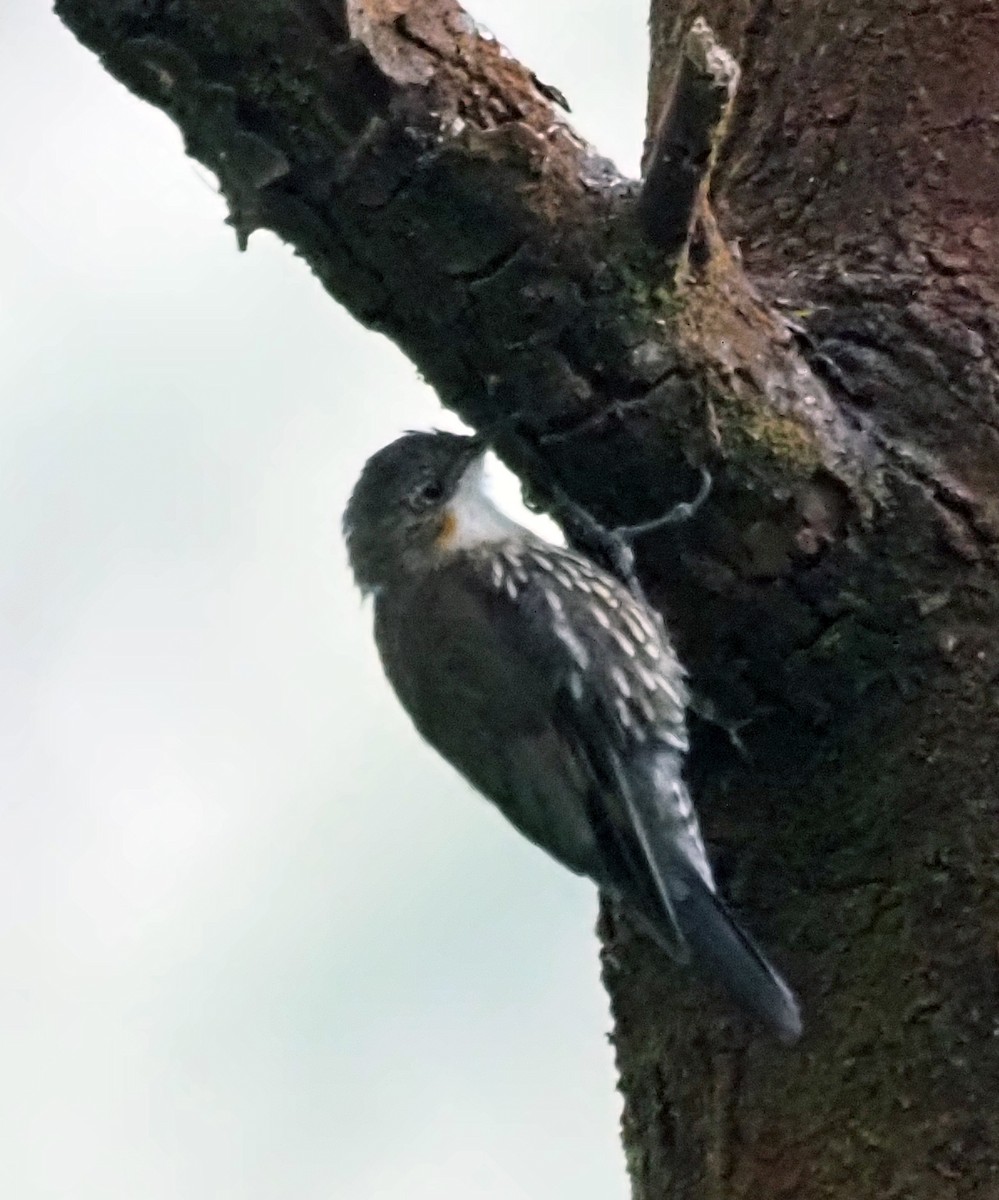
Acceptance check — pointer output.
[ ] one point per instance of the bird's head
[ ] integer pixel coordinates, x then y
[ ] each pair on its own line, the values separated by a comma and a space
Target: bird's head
414, 501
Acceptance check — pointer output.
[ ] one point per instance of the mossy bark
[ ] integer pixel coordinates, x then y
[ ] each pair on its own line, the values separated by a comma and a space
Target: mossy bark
827, 347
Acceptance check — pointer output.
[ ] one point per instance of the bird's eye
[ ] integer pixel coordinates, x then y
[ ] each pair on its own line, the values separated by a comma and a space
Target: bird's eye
429, 493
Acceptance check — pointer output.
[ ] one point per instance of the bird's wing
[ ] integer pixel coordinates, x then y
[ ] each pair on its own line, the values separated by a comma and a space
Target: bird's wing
558, 696
545, 683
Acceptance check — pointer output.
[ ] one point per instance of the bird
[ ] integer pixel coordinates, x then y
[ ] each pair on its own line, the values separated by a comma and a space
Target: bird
555, 690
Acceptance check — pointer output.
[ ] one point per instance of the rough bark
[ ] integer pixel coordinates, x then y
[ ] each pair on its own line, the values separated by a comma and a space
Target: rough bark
837, 596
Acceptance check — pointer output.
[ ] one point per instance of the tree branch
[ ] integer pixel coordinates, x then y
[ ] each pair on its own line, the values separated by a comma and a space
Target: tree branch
686, 141
438, 195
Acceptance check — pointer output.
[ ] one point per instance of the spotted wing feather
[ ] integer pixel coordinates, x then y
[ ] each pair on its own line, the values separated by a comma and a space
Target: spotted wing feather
558, 695
545, 683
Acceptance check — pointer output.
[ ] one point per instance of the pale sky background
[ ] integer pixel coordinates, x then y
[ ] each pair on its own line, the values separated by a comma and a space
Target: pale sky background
256, 941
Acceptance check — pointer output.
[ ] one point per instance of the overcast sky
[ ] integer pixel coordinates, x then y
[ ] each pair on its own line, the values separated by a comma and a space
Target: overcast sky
257, 941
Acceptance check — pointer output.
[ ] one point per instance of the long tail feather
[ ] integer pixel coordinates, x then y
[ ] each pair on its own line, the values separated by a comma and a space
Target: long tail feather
722, 948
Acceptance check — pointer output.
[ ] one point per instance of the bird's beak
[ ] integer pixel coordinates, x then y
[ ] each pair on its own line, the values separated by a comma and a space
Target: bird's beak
478, 444
473, 450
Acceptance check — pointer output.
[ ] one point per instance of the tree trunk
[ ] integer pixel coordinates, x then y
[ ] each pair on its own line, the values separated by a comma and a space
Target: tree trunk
827, 347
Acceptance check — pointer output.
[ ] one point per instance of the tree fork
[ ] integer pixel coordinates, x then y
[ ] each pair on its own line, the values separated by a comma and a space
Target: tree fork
836, 597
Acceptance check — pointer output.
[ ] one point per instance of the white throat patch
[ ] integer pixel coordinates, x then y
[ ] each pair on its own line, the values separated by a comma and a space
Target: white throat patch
475, 515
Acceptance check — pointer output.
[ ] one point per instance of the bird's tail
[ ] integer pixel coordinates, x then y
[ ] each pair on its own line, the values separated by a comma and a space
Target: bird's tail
720, 947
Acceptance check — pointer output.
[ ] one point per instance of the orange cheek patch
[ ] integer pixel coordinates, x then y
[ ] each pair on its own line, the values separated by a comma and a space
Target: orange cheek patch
448, 529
